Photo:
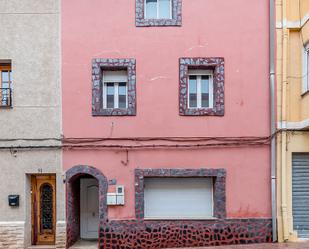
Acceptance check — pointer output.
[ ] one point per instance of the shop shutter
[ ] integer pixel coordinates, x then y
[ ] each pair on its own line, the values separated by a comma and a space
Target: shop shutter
300, 193
178, 198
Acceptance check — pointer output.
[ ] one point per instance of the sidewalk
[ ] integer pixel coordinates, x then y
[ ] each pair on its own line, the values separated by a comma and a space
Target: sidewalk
299, 245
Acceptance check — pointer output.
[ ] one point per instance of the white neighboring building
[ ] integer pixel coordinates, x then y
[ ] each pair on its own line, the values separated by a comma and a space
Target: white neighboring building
30, 118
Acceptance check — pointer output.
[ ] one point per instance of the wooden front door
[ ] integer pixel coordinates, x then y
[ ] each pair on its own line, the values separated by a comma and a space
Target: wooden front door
43, 189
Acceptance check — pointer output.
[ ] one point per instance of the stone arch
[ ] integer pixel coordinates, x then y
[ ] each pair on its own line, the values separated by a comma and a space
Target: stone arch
72, 199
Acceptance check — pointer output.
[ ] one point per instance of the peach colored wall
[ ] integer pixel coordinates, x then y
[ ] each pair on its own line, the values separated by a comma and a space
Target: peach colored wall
236, 30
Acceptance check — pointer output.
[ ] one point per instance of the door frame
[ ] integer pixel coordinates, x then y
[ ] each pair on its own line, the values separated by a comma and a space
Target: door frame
36, 239
72, 214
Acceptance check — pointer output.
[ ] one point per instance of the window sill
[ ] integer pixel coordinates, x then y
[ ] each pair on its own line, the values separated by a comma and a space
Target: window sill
305, 93
201, 112
114, 112
144, 22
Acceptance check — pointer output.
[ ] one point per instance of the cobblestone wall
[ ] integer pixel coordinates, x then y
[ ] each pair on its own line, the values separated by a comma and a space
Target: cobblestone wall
141, 234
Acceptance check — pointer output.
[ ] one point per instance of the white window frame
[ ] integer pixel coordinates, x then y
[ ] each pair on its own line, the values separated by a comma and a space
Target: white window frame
114, 77
158, 10
199, 74
189, 217
305, 74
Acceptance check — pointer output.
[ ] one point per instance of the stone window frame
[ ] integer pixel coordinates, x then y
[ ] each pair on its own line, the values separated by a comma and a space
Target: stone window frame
219, 191
98, 65
216, 64
141, 21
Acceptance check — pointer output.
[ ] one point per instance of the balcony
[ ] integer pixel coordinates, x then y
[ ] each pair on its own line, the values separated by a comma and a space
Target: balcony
5, 97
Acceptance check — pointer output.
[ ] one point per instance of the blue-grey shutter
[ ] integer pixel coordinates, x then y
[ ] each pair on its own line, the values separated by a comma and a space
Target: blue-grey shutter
300, 193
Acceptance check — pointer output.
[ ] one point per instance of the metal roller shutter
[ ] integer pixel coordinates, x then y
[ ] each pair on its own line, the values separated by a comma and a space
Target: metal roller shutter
178, 198
300, 193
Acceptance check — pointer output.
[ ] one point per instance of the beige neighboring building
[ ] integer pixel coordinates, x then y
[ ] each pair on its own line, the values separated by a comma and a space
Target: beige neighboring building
293, 119
31, 179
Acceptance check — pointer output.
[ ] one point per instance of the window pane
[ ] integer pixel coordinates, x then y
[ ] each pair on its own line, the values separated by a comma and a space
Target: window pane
110, 95
151, 9
192, 91
5, 85
205, 91
165, 9
122, 101
122, 98
46, 207
122, 88
110, 88
4, 97
5, 76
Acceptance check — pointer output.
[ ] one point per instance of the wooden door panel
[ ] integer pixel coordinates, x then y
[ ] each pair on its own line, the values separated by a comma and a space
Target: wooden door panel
44, 208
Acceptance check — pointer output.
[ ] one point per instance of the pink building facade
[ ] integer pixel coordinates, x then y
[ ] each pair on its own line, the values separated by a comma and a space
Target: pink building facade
166, 109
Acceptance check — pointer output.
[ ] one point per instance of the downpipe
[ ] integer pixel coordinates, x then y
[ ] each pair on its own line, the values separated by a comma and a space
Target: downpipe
273, 115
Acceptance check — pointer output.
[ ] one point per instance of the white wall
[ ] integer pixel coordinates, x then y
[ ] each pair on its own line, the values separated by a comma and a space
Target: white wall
30, 32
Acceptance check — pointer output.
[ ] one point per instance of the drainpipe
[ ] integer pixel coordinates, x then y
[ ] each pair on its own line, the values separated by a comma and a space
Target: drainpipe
285, 41
273, 114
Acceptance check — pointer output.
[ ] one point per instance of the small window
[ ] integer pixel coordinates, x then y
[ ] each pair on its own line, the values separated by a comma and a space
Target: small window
306, 70
178, 198
158, 9
201, 86
155, 13
115, 89
5, 84
200, 89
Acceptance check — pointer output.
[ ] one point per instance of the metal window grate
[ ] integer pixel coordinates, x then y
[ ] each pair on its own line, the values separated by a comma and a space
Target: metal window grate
5, 97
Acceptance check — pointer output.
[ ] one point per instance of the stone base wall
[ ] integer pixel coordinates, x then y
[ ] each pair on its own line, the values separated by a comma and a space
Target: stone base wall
12, 235
142, 234
61, 235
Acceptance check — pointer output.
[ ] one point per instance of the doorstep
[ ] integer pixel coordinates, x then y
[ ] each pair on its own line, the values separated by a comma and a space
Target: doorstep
85, 244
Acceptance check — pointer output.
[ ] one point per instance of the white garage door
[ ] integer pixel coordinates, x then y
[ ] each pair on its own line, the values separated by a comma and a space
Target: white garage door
178, 198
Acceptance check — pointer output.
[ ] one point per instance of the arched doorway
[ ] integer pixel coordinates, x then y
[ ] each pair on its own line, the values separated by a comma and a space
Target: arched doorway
86, 203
